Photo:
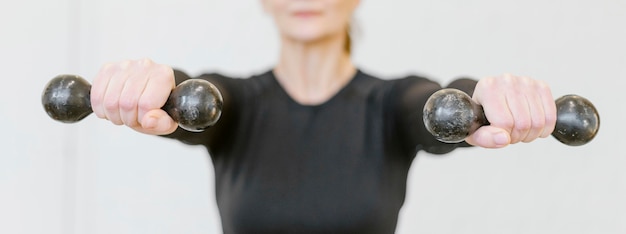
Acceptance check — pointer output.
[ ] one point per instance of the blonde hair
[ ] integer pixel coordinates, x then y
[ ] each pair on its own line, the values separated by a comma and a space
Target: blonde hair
352, 29
348, 43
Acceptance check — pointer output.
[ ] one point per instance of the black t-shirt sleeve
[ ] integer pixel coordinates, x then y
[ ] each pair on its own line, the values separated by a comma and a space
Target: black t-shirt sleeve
410, 95
214, 134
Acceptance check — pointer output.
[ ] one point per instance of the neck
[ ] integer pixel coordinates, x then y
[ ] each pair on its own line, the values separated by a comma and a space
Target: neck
313, 72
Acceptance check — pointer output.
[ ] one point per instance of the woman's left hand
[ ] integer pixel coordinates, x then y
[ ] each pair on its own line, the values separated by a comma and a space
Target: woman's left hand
519, 109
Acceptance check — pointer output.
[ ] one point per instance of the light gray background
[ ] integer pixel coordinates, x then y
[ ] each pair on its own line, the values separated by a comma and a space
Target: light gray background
94, 177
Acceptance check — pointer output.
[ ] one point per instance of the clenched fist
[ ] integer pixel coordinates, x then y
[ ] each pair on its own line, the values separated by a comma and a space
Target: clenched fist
132, 93
519, 109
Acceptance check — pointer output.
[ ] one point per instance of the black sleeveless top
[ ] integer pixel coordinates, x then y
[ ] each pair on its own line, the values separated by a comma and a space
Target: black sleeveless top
337, 167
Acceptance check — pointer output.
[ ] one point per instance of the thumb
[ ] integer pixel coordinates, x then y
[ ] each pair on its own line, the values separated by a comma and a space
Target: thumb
489, 137
157, 122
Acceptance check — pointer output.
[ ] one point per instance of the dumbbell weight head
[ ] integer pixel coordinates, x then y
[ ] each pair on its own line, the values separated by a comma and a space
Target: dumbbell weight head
66, 98
195, 104
578, 121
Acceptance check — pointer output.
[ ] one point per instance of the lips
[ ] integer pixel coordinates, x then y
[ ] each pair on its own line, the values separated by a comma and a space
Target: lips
306, 14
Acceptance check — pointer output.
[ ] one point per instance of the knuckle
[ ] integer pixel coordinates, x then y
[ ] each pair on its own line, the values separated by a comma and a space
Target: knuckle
125, 64
505, 80
489, 79
543, 87
146, 62
505, 124
147, 104
540, 83
523, 125
163, 76
105, 72
526, 80
508, 77
165, 71
128, 104
107, 67
111, 105
486, 83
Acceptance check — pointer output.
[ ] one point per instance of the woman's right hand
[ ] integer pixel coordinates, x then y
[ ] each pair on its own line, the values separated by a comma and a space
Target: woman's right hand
132, 93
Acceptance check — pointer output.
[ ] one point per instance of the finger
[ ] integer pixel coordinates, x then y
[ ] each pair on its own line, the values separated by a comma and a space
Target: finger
495, 104
549, 108
157, 90
129, 98
489, 137
518, 106
157, 122
112, 96
98, 89
537, 117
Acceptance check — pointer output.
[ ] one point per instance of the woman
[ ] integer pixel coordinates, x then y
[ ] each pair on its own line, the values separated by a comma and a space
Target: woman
316, 145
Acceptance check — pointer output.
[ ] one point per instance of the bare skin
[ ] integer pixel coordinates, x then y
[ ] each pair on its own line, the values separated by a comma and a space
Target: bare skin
313, 66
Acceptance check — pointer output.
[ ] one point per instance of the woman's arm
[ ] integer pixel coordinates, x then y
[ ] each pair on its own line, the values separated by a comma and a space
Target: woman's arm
132, 92
519, 109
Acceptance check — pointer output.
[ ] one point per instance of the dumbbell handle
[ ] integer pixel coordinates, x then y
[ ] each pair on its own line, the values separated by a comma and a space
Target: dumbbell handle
451, 115
195, 104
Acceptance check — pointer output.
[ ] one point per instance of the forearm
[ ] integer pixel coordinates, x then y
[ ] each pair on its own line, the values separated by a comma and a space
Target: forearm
466, 85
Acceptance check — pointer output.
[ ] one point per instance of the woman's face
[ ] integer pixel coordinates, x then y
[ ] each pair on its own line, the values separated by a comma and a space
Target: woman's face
310, 20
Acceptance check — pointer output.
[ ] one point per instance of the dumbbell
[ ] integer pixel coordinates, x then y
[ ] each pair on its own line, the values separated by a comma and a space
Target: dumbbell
451, 115
195, 104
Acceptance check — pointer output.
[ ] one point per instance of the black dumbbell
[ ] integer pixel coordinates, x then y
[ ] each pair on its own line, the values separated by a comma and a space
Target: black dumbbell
451, 115
195, 104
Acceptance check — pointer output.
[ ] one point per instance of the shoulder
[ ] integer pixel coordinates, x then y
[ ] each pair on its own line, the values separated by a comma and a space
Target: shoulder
230, 83
397, 87
411, 79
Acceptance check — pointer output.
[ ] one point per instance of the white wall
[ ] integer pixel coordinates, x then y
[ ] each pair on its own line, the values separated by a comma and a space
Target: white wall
94, 177
33, 152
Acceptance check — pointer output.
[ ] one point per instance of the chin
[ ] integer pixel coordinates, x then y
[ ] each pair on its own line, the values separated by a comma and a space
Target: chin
305, 38
307, 34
